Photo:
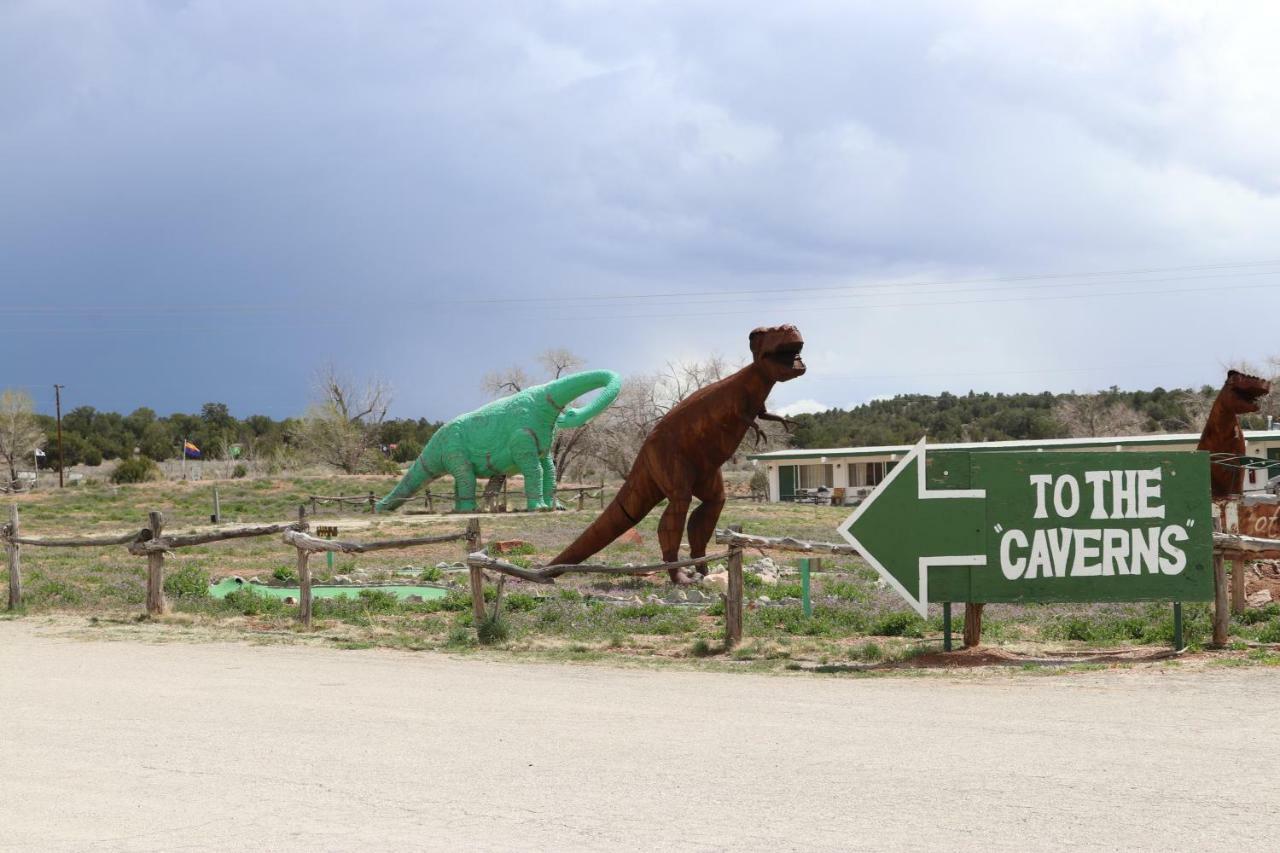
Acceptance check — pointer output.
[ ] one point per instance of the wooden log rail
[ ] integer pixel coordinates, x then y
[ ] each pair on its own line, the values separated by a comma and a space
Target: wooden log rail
306, 542
781, 543
479, 561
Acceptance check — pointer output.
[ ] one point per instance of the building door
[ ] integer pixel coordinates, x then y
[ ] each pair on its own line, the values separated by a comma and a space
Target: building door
1273, 470
786, 482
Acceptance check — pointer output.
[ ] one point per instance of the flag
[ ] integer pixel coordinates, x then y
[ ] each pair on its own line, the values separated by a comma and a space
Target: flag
190, 451
39, 453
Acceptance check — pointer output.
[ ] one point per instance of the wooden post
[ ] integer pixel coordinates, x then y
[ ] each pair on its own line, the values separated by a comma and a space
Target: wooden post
972, 624
946, 626
155, 569
430, 506
304, 588
733, 601
602, 492
373, 502
477, 573
1221, 612
313, 505
1237, 583
217, 507
15, 565
582, 499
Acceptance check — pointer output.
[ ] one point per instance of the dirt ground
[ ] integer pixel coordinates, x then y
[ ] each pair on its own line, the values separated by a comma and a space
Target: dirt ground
149, 746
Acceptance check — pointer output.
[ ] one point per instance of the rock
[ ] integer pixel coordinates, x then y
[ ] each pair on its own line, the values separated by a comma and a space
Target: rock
290, 600
652, 599
696, 596
631, 537
765, 564
506, 546
414, 599
764, 599
789, 601
674, 596
1259, 598
342, 580
719, 580
444, 565
257, 580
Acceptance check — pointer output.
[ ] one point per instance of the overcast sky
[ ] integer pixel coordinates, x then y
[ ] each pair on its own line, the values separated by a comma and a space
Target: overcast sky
209, 200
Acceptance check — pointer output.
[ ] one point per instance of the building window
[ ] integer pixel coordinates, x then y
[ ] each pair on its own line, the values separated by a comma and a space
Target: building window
813, 476
874, 473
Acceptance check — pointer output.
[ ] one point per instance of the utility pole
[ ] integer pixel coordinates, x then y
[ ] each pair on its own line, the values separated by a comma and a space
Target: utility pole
57, 397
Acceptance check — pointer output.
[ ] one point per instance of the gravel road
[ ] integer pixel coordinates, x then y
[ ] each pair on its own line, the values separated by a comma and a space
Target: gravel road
138, 746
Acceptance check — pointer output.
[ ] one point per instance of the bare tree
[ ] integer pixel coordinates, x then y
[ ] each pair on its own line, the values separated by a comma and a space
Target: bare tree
504, 383
1091, 415
341, 425
557, 362
20, 433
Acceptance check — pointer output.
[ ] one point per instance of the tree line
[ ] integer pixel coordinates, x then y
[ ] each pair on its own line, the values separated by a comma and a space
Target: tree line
997, 417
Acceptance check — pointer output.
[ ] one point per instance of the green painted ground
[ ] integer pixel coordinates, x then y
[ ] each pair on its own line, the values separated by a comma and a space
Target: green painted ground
220, 590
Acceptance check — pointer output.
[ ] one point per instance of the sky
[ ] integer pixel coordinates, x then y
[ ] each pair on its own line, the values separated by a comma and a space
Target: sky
210, 201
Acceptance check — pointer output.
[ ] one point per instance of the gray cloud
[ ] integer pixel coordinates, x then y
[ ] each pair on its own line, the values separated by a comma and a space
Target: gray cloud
219, 196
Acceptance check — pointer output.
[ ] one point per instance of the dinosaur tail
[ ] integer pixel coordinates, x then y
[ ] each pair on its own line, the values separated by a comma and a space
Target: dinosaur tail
631, 504
409, 483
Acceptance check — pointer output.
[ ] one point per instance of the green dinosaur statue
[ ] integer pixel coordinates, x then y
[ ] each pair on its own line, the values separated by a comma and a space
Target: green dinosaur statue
508, 436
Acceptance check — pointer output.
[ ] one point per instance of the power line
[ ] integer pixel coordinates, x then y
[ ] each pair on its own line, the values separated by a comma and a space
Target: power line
261, 308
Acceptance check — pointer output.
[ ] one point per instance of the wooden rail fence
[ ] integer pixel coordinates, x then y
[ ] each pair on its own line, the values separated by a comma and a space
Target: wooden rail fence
153, 543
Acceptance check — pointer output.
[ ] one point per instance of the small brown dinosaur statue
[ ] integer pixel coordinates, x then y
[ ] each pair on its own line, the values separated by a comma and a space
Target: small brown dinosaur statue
1222, 433
681, 458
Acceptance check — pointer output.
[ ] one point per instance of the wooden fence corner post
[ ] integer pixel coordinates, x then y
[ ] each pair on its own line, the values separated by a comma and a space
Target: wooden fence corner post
1221, 609
15, 564
477, 573
733, 596
156, 604
304, 588
733, 600
972, 624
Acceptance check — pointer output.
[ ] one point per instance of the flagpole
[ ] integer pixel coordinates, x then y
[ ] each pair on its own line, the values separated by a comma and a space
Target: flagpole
182, 452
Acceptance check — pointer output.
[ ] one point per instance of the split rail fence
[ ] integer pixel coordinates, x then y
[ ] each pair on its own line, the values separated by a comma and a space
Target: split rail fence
154, 544
496, 502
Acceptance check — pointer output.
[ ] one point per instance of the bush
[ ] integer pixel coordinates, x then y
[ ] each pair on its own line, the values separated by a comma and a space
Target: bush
406, 451
285, 574
492, 630
431, 574
240, 471
187, 582
378, 600
245, 600
139, 469
898, 625
759, 482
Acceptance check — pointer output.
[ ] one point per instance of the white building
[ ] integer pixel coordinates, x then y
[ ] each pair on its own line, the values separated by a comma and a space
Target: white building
857, 470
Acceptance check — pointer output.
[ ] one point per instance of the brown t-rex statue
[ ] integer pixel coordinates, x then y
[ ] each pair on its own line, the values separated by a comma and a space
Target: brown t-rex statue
1222, 433
681, 458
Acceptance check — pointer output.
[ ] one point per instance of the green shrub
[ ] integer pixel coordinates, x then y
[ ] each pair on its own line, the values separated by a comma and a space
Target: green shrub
139, 469
285, 574
431, 574
240, 471
899, 624
701, 649
378, 600
759, 482
187, 582
245, 600
492, 630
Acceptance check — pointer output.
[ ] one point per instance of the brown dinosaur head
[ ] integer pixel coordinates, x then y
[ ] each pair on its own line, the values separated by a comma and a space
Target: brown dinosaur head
1241, 392
777, 350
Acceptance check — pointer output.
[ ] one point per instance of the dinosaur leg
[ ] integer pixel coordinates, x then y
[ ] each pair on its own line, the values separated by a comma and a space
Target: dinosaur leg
638, 495
524, 452
464, 480
549, 482
702, 521
670, 530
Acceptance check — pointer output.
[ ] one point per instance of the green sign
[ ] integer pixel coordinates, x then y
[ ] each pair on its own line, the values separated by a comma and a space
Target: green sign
1040, 526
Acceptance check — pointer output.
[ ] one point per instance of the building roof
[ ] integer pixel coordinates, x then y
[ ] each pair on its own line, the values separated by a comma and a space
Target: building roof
1023, 444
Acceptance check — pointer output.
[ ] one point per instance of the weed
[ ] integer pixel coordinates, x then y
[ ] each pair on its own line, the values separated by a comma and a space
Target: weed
492, 630
285, 574
431, 574
187, 581
900, 624
701, 648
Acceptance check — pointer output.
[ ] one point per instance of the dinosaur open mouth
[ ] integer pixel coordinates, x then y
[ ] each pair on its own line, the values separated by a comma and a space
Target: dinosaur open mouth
788, 355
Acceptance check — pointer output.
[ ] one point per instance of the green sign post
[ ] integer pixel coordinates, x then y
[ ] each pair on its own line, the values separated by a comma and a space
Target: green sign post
985, 526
